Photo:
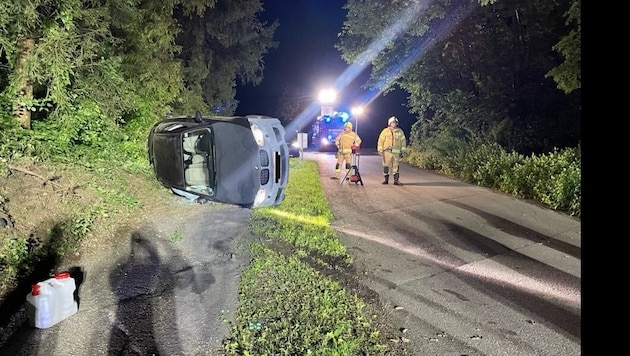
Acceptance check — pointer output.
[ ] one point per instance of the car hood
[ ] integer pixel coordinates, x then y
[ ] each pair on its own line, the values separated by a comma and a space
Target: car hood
237, 163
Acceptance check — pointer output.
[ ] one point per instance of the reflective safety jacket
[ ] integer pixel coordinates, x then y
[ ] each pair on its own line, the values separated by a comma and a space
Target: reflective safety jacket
345, 140
392, 139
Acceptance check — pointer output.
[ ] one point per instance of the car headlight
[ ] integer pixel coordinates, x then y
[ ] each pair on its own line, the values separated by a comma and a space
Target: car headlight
259, 136
325, 141
260, 197
296, 144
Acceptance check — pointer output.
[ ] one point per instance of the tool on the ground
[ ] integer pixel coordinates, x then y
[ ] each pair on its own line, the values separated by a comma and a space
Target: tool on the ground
353, 173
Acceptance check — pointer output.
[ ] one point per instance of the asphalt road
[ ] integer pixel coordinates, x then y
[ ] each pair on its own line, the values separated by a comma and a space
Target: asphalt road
463, 269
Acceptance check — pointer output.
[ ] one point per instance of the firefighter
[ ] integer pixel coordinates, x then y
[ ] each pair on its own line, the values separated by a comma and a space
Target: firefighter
391, 144
347, 142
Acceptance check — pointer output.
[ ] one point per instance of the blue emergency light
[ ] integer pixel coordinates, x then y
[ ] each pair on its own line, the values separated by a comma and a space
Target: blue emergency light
343, 116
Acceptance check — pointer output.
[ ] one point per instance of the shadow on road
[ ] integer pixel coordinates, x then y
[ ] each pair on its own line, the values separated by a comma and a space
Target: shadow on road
140, 283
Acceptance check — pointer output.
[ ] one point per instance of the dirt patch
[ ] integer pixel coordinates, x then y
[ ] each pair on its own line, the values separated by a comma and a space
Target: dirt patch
35, 197
37, 200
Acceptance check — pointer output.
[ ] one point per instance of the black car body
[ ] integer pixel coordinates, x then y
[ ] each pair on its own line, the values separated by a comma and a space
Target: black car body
241, 160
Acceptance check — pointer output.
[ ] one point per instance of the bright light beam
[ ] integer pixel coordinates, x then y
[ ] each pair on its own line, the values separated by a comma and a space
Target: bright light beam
421, 45
389, 35
405, 19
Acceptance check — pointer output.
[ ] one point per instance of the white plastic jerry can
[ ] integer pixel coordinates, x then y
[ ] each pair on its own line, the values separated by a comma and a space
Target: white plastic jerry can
51, 301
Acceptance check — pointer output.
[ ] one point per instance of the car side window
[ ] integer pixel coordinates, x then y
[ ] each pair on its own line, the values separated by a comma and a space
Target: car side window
197, 146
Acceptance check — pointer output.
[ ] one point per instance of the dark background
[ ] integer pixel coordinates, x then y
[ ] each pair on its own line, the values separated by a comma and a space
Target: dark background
307, 60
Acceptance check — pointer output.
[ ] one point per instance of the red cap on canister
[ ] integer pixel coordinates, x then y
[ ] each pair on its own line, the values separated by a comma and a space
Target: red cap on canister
62, 275
35, 289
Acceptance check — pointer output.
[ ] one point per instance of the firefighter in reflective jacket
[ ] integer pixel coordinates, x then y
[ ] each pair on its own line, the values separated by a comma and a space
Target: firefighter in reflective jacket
391, 144
346, 142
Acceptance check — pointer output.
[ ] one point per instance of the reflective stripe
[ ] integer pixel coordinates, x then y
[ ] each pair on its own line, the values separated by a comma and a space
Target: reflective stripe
392, 140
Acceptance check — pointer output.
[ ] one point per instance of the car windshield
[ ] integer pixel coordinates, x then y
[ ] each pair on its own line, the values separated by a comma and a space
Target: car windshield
198, 149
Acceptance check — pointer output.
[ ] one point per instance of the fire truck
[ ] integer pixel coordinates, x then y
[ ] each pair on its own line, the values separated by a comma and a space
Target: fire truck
325, 130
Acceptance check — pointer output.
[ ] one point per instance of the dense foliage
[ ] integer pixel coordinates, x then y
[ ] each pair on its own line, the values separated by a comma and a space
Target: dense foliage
508, 72
92, 76
553, 178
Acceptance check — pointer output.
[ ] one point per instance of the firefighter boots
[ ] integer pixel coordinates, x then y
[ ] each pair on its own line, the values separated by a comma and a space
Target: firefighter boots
396, 181
386, 181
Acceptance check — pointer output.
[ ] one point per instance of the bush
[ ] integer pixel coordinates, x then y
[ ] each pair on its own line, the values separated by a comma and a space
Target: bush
553, 179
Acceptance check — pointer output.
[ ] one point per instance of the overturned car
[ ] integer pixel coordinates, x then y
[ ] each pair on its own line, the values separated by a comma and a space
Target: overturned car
240, 160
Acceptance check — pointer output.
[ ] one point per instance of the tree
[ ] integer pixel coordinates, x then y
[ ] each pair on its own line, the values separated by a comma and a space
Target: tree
46, 44
113, 53
291, 102
473, 72
568, 75
222, 47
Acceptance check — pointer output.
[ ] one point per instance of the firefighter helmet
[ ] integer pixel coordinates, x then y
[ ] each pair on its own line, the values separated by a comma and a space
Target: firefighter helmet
392, 119
348, 124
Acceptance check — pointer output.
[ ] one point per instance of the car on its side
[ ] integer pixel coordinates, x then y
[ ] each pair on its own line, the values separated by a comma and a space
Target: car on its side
240, 160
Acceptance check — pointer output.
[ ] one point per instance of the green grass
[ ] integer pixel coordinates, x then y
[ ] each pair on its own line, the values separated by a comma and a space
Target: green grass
303, 218
176, 237
287, 307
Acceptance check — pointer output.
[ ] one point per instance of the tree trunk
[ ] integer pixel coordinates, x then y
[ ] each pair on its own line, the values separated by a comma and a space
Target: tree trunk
24, 92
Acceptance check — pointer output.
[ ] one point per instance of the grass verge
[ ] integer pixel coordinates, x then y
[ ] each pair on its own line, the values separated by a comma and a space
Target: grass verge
287, 306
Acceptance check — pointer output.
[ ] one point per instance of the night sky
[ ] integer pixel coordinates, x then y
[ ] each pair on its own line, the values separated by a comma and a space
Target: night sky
306, 58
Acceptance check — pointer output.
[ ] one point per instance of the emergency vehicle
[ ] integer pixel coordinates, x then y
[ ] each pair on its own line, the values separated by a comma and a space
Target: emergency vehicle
325, 130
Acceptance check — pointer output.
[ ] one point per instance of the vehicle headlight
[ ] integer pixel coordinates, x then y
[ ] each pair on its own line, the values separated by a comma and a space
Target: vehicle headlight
296, 144
260, 197
259, 136
325, 141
